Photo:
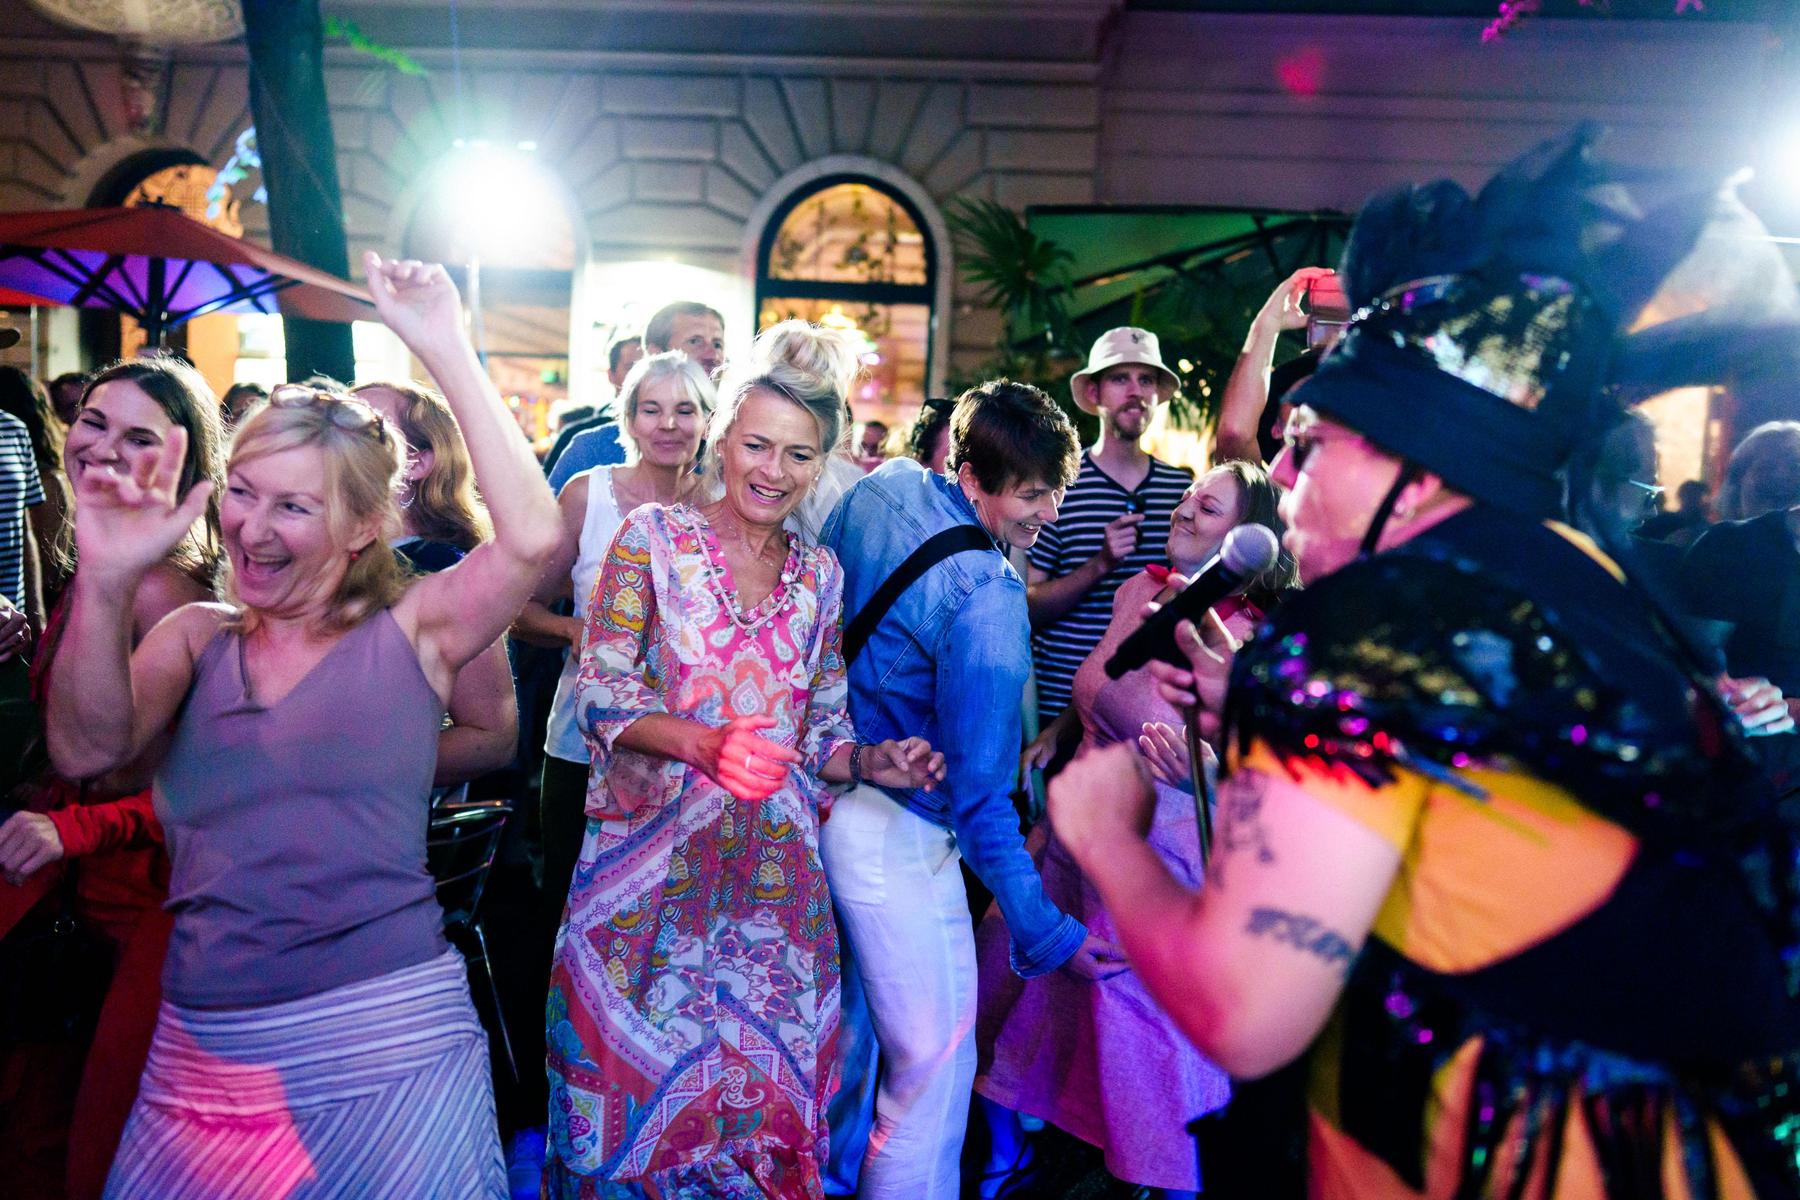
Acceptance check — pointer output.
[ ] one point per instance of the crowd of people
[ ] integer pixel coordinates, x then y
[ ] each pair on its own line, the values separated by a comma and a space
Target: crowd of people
1470, 803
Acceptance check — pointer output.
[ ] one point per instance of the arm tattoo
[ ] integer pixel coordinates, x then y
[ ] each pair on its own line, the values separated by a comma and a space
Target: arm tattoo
1241, 829
1306, 934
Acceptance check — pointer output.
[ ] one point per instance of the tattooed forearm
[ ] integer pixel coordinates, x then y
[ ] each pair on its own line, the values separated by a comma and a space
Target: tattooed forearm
1241, 832
1305, 934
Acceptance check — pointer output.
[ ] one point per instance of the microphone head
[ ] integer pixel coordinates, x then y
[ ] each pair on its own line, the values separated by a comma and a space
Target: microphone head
1250, 549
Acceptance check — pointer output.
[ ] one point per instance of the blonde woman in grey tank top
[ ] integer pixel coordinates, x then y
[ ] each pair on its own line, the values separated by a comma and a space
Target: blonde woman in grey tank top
316, 1036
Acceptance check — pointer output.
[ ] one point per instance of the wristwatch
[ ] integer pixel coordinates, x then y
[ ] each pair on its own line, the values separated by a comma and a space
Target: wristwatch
856, 775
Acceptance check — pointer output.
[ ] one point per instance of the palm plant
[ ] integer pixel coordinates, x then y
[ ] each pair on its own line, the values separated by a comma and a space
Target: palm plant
1026, 278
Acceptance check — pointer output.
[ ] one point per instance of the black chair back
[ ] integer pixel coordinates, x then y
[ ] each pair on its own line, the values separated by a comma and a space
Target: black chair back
460, 843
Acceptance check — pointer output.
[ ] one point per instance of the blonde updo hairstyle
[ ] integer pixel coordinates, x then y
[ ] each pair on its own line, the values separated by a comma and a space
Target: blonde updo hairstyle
808, 364
445, 504
364, 459
671, 365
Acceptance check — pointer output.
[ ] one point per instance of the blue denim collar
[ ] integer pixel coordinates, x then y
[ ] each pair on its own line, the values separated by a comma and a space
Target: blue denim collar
964, 508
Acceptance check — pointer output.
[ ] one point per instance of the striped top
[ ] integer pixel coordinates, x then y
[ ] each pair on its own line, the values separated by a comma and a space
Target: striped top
1095, 501
20, 489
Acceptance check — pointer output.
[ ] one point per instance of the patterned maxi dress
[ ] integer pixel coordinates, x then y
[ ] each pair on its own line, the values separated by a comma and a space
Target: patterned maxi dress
694, 999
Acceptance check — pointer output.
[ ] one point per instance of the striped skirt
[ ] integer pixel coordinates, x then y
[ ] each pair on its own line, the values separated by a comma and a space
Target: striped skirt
374, 1089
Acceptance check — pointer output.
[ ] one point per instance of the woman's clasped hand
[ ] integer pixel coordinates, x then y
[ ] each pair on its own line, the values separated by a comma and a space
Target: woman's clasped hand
741, 760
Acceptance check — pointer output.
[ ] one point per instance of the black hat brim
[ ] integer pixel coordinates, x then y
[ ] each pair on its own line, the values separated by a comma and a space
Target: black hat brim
1476, 442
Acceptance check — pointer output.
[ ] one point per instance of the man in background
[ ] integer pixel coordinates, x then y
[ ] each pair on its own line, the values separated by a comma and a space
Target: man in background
1115, 518
620, 357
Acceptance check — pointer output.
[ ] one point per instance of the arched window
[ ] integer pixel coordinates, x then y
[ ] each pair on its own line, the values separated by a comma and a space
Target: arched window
848, 252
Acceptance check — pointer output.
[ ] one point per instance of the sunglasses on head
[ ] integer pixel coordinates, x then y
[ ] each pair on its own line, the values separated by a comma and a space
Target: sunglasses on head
343, 411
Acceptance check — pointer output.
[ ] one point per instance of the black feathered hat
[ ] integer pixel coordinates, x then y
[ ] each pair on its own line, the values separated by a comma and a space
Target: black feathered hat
1492, 333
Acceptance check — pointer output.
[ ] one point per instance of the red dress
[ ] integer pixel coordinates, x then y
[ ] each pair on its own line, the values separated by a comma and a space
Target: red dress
115, 847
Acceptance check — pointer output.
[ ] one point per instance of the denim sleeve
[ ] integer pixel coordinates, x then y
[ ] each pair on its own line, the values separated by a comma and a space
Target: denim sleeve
591, 448
982, 658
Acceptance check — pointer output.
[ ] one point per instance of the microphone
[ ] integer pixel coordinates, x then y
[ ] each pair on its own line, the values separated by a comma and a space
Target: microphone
1249, 550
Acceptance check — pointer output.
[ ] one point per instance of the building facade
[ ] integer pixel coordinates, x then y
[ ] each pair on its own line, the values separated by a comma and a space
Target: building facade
653, 148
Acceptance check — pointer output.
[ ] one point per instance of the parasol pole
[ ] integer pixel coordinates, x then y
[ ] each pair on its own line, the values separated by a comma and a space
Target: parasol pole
155, 303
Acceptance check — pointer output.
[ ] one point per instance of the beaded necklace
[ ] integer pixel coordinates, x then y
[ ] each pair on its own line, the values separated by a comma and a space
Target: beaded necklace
724, 585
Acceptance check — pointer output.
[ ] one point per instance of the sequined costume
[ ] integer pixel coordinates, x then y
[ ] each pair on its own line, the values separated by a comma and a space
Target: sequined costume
694, 998
1579, 983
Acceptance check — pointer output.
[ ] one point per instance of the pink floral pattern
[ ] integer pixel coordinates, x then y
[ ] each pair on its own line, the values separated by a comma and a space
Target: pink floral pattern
693, 1006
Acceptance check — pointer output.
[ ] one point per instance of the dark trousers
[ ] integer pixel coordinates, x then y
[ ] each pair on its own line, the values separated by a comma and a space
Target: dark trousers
562, 814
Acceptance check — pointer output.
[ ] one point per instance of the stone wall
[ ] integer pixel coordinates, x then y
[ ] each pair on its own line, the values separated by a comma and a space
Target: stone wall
1320, 112
681, 155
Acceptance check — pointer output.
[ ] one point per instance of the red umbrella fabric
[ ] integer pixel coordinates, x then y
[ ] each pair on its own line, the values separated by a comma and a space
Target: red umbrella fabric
11, 299
163, 268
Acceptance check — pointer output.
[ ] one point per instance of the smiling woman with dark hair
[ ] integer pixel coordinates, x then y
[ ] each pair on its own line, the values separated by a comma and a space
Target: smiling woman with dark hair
105, 830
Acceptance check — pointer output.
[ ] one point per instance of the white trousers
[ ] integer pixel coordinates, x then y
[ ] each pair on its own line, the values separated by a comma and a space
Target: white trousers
896, 880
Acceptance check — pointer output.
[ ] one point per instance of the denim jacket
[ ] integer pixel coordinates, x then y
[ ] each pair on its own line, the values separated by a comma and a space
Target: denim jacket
948, 663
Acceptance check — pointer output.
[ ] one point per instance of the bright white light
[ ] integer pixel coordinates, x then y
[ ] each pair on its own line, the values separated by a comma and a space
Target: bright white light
1779, 163
502, 200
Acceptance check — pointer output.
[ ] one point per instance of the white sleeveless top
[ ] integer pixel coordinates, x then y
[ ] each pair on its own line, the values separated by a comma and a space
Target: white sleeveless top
562, 738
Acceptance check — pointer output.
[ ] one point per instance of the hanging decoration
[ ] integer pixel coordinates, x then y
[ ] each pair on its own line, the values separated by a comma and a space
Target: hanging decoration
145, 31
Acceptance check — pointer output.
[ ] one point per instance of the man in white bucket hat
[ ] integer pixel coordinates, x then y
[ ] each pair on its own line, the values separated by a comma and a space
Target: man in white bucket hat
1114, 521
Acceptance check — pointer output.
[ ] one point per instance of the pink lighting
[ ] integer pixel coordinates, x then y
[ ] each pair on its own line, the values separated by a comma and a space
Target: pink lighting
1302, 72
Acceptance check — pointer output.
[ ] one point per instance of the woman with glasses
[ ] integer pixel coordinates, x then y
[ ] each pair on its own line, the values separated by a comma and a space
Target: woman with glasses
316, 1032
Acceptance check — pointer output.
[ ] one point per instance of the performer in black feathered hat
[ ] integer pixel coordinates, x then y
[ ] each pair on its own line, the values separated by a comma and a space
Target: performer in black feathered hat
1491, 850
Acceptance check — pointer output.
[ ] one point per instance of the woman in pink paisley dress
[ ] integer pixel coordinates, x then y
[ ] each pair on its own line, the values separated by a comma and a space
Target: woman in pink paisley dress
693, 1002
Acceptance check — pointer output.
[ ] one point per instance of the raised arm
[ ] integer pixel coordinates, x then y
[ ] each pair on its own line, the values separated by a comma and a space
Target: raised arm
536, 623
106, 701
1246, 393
457, 613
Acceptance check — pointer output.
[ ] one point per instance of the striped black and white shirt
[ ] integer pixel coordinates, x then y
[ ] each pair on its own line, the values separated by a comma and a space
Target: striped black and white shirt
20, 489
1094, 501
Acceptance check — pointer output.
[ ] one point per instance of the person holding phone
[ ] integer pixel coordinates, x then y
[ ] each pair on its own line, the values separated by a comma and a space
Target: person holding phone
1310, 299
1115, 518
